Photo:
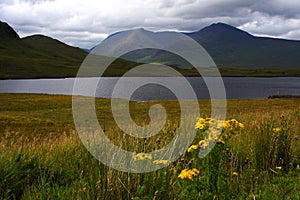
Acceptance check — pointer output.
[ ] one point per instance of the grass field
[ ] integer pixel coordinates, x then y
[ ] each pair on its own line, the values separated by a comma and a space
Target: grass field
42, 157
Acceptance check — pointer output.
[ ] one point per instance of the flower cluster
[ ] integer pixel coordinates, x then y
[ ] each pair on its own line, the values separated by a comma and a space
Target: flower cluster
164, 162
188, 173
210, 131
213, 130
204, 123
142, 156
277, 129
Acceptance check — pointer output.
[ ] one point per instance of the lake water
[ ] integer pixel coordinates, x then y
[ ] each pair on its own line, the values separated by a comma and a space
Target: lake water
235, 87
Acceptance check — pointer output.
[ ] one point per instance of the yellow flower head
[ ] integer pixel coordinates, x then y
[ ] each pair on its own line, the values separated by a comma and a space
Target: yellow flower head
221, 141
183, 174
279, 168
203, 143
199, 126
241, 125
188, 173
193, 147
201, 120
202, 123
277, 129
164, 162
142, 156
235, 174
227, 125
234, 121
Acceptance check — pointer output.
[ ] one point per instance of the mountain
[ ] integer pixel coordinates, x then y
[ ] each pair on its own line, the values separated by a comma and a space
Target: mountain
232, 47
221, 32
7, 31
36, 56
236, 53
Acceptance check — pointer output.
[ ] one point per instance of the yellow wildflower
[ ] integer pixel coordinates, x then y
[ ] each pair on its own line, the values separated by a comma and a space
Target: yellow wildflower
188, 173
241, 125
203, 143
227, 125
193, 147
235, 174
164, 162
279, 168
219, 124
183, 174
203, 123
201, 120
276, 129
234, 121
199, 126
142, 156
221, 141
214, 134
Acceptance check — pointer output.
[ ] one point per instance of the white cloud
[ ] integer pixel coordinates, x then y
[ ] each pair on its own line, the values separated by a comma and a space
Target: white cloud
86, 23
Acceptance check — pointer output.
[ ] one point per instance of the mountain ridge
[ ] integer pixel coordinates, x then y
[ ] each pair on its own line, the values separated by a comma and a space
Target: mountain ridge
237, 48
7, 31
231, 47
28, 58
216, 29
236, 53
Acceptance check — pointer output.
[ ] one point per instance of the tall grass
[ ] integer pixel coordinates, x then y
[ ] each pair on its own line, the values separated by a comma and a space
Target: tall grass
41, 156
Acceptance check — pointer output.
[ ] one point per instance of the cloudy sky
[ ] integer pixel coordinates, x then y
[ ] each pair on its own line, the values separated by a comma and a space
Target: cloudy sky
84, 23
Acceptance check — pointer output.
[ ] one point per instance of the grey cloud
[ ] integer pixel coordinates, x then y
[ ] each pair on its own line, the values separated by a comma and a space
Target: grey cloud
85, 23
295, 34
287, 8
207, 9
167, 4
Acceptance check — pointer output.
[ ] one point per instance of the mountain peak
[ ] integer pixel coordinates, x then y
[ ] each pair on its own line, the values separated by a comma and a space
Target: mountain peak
221, 24
7, 31
222, 27
221, 31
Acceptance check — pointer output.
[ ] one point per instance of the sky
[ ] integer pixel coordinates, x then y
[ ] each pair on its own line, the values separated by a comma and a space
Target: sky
85, 23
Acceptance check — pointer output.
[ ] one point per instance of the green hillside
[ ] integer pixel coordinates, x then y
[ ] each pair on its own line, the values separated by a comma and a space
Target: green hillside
36, 56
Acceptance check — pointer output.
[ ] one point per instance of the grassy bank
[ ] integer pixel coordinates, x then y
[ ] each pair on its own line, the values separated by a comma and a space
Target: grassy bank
41, 156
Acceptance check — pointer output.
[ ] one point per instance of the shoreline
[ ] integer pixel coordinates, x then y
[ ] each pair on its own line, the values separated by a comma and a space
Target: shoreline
69, 77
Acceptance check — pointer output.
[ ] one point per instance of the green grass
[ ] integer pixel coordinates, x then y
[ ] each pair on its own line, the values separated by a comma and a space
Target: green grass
41, 156
38, 56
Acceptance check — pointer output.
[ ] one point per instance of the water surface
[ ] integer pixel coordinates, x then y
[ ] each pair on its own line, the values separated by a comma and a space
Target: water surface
236, 87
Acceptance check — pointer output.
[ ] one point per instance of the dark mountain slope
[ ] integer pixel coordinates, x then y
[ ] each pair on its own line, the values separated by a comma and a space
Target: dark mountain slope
232, 47
7, 31
36, 56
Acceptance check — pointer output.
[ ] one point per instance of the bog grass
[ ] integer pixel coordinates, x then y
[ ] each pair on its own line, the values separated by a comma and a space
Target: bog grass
42, 157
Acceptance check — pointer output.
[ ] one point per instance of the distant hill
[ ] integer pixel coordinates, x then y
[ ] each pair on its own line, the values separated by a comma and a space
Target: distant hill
36, 56
7, 32
236, 53
232, 47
